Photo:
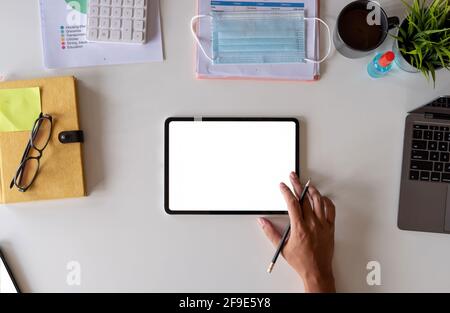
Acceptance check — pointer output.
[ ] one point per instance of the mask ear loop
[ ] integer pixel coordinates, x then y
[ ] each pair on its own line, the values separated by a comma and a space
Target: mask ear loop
329, 40
194, 34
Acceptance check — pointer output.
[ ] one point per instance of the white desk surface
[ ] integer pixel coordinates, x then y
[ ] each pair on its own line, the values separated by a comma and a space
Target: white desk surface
351, 145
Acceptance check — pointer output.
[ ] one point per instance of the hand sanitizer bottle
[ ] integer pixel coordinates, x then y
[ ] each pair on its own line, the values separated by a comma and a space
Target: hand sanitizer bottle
381, 64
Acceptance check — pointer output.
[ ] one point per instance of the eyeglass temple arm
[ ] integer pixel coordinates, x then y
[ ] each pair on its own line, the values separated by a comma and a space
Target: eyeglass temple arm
19, 174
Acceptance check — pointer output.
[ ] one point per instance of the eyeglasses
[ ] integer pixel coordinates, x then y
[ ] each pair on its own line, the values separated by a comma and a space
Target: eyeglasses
29, 165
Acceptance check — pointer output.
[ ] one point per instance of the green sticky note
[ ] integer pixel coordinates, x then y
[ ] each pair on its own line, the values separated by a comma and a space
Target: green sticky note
19, 108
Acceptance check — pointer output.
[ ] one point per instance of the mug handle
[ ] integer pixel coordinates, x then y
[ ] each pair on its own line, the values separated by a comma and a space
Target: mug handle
393, 22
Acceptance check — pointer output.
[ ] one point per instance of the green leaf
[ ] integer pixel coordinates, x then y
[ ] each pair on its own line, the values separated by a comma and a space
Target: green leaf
402, 32
430, 32
446, 51
441, 58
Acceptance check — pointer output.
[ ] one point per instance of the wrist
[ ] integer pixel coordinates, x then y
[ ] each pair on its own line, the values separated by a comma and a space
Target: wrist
317, 283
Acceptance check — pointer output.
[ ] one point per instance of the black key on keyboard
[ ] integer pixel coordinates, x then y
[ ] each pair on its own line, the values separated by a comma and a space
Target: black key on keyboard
444, 128
434, 156
445, 178
447, 136
419, 155
447, 167
434, 127
417, 134
445, 157
438, 136
420, 126
428, 135
436, 177
414, 175
425, 176
421, 165
432, 145
419, 144
442, 100
443, 146
438, 167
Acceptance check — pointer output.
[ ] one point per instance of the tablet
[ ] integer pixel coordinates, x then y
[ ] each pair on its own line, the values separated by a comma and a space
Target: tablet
229, 165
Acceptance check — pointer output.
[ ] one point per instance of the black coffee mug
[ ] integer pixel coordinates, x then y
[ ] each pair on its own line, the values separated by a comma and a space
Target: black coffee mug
362, 26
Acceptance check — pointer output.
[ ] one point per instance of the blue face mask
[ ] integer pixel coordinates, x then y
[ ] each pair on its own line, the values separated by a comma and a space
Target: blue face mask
262, 37
257, 37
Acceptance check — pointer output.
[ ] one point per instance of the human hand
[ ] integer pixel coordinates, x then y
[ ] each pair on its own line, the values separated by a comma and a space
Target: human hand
310, 246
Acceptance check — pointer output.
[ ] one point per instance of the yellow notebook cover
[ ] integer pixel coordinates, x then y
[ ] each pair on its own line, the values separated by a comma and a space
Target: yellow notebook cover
61, 169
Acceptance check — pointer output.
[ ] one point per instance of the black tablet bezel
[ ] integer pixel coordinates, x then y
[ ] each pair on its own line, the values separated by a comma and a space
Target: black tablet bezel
8, 269
224, 119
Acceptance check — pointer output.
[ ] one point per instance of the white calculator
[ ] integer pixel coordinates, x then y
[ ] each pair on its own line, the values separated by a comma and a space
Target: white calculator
117, 21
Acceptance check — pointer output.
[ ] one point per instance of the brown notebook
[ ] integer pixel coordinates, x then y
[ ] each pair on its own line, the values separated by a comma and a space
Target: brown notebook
61, 168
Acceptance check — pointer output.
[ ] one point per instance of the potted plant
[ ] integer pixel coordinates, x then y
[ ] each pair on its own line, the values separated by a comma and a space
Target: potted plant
423, 40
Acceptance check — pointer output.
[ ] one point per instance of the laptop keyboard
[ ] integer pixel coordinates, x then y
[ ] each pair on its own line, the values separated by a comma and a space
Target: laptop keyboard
430, 155
442, 102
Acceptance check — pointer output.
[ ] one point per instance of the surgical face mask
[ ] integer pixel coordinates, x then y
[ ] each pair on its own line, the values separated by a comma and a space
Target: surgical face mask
256, 37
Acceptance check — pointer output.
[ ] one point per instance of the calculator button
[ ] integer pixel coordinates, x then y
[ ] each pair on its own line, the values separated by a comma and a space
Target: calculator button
138, 25
116, 12
138, 36
94, 11
104, 34
117, 3
93, 22
115, 35
115, 24
105, 2
104, 23
127, 24
139, 3
128, 3
139, 13
126, 34
105, 11
92, 34
127, 12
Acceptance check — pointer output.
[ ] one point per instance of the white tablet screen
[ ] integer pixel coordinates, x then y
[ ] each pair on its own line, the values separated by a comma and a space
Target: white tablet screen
6, 282
229, 165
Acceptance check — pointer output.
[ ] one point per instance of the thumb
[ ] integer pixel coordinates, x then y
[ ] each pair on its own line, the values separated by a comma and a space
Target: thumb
271, 233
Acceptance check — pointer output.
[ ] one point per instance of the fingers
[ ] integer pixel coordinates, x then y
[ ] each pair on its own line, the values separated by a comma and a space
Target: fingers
295, 181
305, 209
270, 231
317, 202
293, 205
330, 210
306, 206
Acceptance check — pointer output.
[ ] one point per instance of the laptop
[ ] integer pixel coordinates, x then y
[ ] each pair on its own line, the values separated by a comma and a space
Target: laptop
425, 183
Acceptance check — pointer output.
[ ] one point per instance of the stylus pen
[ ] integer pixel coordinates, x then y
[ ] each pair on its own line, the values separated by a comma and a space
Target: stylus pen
286, 233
